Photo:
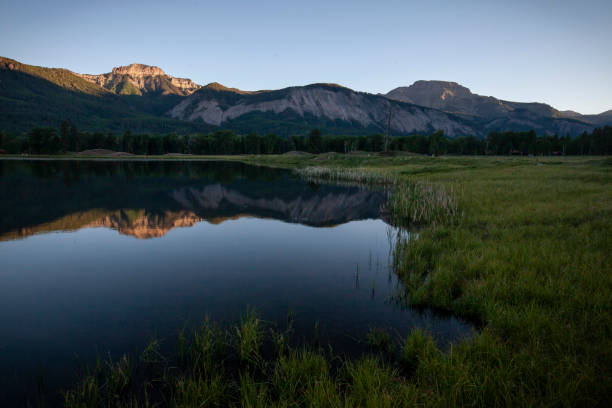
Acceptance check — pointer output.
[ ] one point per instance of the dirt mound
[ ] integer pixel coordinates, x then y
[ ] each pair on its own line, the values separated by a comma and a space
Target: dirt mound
103, 152
394, 153
327, 156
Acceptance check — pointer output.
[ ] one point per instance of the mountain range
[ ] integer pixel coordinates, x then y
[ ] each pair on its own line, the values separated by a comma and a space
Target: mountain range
143, 98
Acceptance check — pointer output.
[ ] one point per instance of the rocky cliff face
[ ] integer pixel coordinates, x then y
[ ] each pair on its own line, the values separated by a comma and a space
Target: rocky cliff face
490, 112
147, 226
138, 70
142, 79
220, 106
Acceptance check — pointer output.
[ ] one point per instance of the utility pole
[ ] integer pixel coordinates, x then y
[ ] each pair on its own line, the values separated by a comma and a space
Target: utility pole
388, 127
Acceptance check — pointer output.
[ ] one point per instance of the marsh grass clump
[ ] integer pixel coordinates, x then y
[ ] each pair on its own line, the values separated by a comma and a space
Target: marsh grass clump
297, 373
374, 383
252, 393
108, 384
420, 203
86, 393
342, 175
151, 355
379, 339
249, 338
412, 260
120, 376
207, 345
434, 209
418, 348
200, 391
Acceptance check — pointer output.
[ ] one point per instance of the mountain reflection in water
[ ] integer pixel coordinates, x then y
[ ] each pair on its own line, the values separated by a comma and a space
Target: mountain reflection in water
148, 199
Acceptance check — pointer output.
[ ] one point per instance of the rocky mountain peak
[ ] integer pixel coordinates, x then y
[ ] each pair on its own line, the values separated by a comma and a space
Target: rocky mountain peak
138, 70
494, 113
139, 79
430, 91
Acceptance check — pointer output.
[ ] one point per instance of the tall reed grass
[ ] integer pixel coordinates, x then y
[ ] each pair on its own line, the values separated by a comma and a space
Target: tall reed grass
420, 203
340, 175
410, 203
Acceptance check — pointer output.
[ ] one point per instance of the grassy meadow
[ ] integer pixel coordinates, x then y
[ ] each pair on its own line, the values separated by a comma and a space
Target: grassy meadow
521, 246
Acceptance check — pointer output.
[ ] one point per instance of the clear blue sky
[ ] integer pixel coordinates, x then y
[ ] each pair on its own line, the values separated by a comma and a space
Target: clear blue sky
558, 52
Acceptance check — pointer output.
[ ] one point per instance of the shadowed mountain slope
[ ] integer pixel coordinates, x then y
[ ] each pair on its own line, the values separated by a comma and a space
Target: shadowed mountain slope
328, 106
35, 96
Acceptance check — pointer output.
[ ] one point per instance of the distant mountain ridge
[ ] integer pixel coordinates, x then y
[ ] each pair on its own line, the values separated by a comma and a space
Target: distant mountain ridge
452, 97
493, 113
143, 98
316, 105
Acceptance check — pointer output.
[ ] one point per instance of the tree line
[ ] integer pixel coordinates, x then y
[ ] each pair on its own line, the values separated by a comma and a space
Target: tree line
48, 140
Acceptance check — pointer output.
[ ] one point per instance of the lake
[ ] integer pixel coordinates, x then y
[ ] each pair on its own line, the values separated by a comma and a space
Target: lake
102, 256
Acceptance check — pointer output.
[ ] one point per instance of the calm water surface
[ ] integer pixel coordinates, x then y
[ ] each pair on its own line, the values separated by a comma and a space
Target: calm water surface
101, 256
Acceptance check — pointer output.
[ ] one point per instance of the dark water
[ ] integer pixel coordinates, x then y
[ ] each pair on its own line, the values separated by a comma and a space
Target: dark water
100, 256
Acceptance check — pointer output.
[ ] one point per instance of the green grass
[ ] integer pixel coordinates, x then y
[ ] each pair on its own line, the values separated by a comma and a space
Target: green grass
523, 251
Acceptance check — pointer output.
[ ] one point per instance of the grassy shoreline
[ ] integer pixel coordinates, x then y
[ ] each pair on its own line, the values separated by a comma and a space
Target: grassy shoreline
529, 258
